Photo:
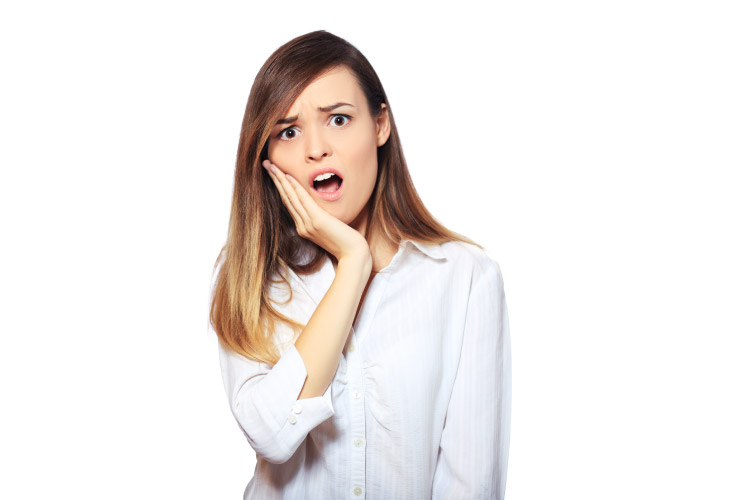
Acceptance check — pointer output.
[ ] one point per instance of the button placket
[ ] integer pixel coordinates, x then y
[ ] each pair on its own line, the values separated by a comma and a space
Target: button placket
355, 381
356, 384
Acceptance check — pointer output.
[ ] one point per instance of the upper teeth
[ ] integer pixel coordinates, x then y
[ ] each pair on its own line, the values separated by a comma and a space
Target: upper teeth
325, 176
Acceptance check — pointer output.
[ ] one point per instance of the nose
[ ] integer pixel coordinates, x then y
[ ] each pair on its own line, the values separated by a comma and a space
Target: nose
316, 146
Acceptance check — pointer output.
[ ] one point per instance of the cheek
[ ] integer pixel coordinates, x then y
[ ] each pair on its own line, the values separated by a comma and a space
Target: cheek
364, 150
273, 152
283, 157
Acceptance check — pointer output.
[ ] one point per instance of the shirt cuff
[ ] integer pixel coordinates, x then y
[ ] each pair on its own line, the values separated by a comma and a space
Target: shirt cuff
292, 418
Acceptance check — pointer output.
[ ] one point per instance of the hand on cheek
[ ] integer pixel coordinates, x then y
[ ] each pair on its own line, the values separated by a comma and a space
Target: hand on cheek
314, 223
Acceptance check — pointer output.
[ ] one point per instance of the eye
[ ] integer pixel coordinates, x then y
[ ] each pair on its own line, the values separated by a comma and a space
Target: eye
284, 135
339, 120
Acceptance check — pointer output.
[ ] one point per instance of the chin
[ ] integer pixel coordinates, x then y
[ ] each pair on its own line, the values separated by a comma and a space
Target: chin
343, 218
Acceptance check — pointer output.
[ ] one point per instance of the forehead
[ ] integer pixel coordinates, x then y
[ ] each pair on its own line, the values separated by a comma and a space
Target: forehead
336, 85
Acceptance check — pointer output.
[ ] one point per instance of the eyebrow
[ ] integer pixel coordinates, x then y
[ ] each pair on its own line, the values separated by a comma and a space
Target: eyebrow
324, 110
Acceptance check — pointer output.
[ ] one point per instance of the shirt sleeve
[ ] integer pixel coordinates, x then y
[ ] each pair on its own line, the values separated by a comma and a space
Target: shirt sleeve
473, 456
264, 402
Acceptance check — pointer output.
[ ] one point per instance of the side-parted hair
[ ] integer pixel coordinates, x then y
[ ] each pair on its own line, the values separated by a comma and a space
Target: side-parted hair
262, 238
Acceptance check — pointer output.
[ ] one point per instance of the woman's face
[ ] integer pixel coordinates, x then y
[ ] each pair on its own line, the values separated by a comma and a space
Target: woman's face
328, 128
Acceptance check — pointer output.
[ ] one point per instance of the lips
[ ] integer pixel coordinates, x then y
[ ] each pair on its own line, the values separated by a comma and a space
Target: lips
327, 194
324, 170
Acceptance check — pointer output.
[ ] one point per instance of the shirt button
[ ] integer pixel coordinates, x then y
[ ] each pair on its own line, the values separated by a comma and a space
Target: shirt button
357, 491
344, 380
359, 442
351, 347
292, 419
357, 394
297, 408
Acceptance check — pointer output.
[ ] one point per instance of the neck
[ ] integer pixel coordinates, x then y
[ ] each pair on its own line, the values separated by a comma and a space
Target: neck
381, 249
382, 252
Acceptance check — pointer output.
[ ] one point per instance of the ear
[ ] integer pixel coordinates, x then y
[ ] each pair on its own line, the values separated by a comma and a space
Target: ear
382, 125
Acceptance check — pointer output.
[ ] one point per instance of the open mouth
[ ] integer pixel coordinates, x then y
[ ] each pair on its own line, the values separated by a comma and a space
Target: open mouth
327, 183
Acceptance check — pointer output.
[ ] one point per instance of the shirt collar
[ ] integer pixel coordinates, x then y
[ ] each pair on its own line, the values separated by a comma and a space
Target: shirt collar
317, 284
433, 250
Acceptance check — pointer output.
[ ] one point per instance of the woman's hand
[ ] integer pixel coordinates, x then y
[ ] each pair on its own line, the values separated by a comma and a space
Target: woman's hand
314, 223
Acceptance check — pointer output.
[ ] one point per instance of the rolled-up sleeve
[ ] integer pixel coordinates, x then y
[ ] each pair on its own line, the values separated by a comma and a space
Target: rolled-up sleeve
473, 456
264, 402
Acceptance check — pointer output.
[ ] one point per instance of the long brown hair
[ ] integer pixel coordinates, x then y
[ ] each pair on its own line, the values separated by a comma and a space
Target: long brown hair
262, 239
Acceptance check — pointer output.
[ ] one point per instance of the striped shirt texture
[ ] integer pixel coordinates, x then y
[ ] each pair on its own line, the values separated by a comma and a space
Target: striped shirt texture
420, 404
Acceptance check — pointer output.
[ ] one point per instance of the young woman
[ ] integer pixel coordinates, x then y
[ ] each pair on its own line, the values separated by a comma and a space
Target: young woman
364, 347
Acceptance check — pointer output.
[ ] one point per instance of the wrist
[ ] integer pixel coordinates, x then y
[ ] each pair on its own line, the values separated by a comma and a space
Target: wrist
360, 262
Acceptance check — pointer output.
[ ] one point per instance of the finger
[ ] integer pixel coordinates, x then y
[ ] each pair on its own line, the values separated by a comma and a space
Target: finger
291, 193
307, 201
284, 198
280, 188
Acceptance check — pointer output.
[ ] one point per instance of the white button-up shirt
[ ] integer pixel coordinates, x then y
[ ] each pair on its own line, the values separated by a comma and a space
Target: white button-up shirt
419, 407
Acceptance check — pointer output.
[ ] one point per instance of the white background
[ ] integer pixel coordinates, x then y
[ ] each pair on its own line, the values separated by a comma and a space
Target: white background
598, 150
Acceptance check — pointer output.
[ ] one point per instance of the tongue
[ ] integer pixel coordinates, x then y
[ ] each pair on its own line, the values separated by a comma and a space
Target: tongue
329, 185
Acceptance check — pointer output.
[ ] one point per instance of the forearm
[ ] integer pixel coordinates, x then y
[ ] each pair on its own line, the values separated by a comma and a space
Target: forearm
322, 340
